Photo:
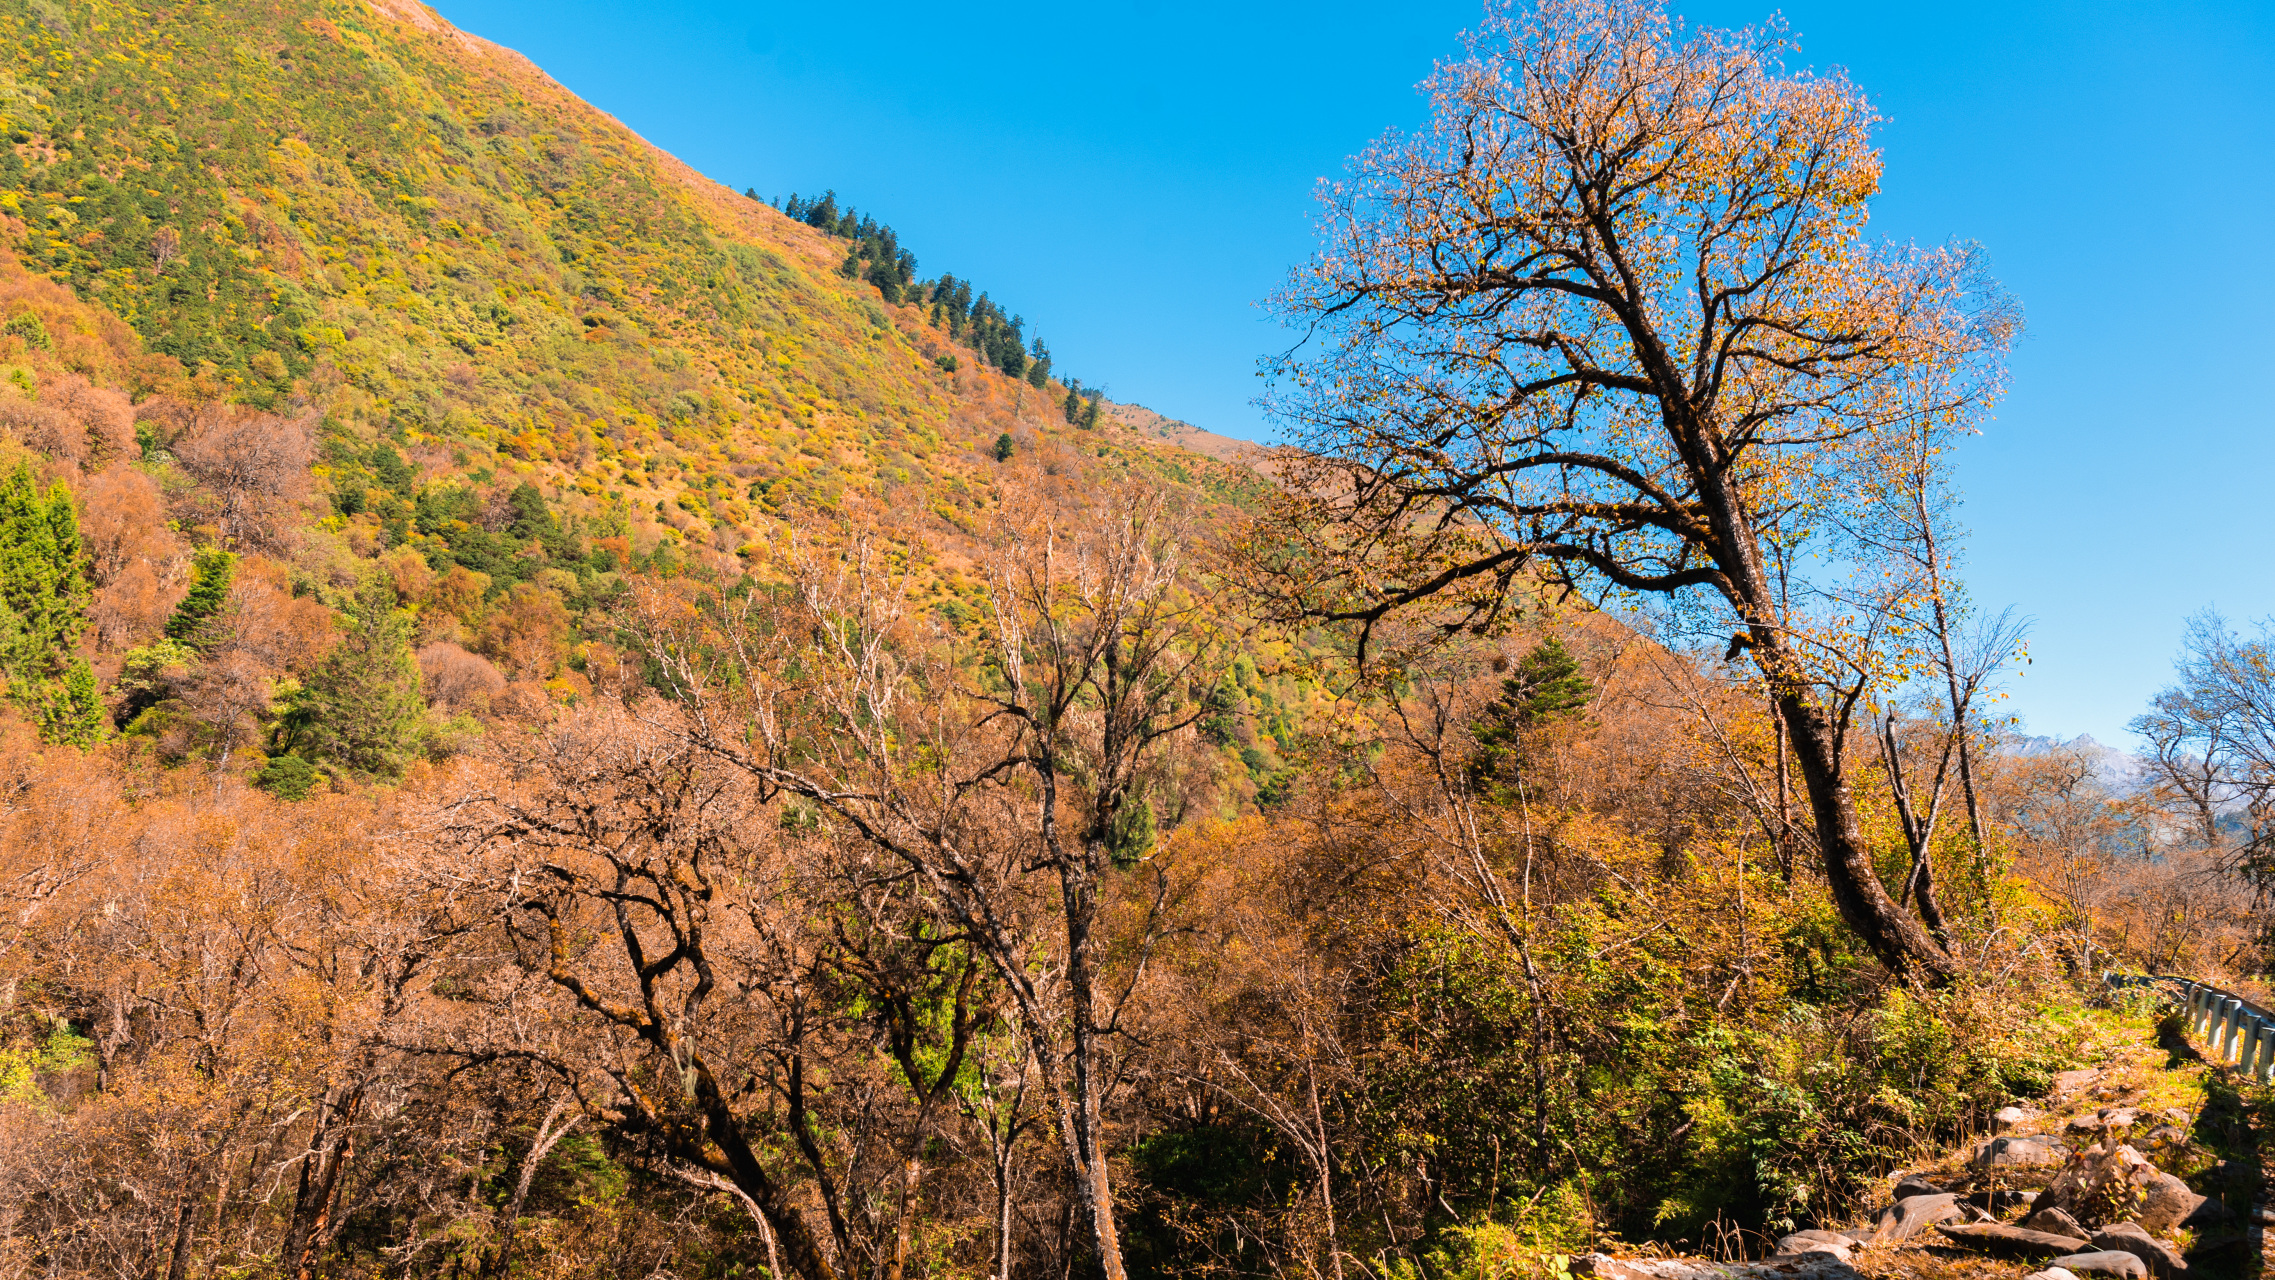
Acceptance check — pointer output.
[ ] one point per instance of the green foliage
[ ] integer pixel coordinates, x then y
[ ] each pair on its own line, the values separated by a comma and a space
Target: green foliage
32, 330
287, 777
361, 710
42, 586
947, 364
1005, 446
1544, 689
1130, 834
43, 607
211, 572
24, 1060
1673, 1109
144, 677
1532, 1240
71, 709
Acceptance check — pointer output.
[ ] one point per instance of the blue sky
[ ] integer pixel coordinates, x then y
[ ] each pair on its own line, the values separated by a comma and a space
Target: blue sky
1133, 176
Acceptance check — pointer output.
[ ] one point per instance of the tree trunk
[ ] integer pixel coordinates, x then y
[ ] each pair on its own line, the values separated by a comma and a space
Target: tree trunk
1079, 893
806, 1257
178, 1267
1890, 931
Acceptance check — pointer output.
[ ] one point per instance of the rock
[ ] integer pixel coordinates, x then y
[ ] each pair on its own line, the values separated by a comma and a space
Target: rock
1914, 1185
2114, 1263
1810, 1266
2178, 1115
2166, 1135
2006, 1118
2050, 1273
2069, 1082
1911, 1215
2055, 1221
1992, 1237
1807, 1242
2163, 1260
2166, 1203
1973, 1212
2010, 1152
2101, 1184
2119, 1117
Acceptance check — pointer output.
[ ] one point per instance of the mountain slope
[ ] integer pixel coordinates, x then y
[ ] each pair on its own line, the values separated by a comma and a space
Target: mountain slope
419, 233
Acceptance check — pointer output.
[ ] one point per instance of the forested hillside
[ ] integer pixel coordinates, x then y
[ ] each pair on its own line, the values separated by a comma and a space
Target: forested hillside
564, 720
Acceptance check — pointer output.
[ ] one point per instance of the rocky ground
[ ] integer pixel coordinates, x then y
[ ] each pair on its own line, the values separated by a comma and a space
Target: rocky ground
2142, 1166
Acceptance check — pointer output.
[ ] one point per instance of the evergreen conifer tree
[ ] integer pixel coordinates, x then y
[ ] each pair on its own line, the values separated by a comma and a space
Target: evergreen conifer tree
41, 582
1005, 446
1039, 371
1545, 688
364, 710
210, 574
72, 710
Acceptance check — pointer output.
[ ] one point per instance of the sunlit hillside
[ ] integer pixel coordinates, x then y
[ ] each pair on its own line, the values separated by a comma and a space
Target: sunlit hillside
418, 231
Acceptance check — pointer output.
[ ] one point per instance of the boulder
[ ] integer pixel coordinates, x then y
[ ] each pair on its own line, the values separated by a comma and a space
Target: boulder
2055, 1221
1914, 1185
2069, 1082
2006, 1118
1913, 1214
2165, 1203
2006, 1241
2166, 1135
2163, 1260
2113, 1263
2012, 1152
2050, 1273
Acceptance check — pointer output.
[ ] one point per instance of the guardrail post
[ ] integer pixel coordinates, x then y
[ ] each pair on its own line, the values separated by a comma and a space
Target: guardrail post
2231, 1021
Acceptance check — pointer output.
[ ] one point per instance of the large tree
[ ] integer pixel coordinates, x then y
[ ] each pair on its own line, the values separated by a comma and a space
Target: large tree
1612, 321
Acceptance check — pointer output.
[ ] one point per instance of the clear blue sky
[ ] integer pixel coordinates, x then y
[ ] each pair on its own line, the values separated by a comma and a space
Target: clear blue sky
1133, 176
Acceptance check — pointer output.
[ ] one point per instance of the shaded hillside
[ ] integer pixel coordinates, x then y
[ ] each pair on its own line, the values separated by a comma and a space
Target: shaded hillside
423, 236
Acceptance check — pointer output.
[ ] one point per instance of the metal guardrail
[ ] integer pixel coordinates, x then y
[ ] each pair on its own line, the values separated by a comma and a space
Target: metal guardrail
2238, 1032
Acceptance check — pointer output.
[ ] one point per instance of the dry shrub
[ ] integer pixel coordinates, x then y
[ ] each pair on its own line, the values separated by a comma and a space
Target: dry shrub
529, 633
137, 562
459, 682
101, 419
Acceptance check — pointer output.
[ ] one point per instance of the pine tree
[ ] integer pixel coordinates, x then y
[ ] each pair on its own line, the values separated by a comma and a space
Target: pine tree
1545, 688
72, 709
364, 710
1039, 372
210, 574
41, 582
1090, 413
1005, 446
